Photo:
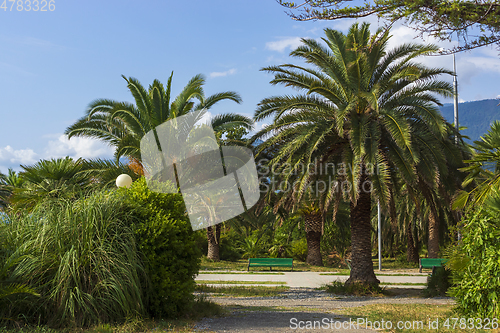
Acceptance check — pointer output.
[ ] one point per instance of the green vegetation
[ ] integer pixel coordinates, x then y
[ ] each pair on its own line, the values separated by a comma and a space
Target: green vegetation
80, 256
244, 273
201, 308
437, 18
366, 108
242, 264
77, 254
241, 291
358, 289
122, 124
168, 246
476, 260
438, 282
237, 282
417, 316
109, 256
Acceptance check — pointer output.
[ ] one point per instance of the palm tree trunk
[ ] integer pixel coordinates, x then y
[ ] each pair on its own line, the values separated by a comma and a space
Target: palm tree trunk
433, 244
361, 251
313, 225
411, 249
213, 242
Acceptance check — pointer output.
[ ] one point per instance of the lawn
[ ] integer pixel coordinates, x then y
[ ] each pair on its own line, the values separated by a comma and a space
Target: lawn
417, 316
237, 282
201, 308
241, 291
241, 265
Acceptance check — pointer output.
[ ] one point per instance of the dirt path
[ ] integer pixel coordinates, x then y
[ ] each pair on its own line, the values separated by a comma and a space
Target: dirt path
298, 306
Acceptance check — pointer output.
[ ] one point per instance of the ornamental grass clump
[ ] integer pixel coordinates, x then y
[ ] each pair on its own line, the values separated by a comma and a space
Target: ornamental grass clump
82, 259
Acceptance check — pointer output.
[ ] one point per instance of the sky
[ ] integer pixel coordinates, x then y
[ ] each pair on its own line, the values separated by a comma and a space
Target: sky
54, 63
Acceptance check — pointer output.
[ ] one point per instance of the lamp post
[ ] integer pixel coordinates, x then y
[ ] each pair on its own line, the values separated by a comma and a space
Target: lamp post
379, 237
455, 99
123, 180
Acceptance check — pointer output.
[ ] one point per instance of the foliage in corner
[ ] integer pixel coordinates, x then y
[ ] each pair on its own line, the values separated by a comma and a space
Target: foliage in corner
476, 260
80, 256
168, 246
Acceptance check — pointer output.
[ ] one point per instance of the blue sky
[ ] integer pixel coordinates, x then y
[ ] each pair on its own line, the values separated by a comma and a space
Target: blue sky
54, 63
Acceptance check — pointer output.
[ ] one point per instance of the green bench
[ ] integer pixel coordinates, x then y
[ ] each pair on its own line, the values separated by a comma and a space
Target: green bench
270, 262
431, 263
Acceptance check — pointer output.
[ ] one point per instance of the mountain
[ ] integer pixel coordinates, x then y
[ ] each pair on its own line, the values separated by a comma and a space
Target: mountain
477, 116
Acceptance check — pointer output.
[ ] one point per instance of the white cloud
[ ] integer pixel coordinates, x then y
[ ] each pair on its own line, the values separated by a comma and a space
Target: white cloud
257, 127
77, 147
17, 156
284, 43
226, 73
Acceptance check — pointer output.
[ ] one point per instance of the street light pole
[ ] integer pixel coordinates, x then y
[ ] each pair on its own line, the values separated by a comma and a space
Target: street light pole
455, 114
455, 93
379, 238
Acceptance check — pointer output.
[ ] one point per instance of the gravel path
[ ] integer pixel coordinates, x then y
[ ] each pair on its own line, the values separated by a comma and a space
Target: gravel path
282, 313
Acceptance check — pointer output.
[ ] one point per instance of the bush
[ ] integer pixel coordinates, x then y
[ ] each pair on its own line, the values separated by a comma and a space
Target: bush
81, 257
336, 242
438, 283
299, 249
476, 265
168, 247
357, 289
228, 250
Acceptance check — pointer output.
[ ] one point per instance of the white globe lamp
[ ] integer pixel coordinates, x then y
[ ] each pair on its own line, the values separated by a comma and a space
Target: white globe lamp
123, 180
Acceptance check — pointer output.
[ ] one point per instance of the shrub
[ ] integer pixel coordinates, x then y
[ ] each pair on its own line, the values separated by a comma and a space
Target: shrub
80, 256
357, 289
299, 249
168, 247
476, 264
438, 282
228, 249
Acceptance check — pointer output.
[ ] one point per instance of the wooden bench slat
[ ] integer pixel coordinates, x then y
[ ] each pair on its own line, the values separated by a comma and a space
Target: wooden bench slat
270, 262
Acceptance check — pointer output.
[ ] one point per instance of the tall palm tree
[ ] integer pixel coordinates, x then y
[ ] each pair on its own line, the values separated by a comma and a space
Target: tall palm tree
122, 124
362, 107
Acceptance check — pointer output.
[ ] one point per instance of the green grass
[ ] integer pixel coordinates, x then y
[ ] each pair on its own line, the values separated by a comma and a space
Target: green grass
347, 273
392, 263
238, 282
201, 308
402, 284
339, 288
81, 257
298, 266
410, 313
254, 273
242, 291
242, 265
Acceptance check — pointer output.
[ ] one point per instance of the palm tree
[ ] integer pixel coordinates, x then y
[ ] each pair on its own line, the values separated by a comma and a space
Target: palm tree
313, 225
362, 108
64, 178
122, 124
8, 183
483, 169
